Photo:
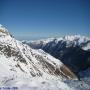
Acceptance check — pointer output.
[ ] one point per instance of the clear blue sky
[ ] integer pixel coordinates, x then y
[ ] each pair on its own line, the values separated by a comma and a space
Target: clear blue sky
27, 19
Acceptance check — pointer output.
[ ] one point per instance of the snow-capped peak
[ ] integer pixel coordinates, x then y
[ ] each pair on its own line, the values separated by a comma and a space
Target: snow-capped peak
27, 60
19, 62
6, 37
70, 40
3, 31
76, 38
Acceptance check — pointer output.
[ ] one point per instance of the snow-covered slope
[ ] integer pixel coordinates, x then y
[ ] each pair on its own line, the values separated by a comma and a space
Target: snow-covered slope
73, 51
24, 68
73, 40
19, 59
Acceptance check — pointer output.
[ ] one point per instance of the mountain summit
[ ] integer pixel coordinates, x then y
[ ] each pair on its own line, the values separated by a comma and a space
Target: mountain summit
19, 58
73, 51
3, 30
34, 69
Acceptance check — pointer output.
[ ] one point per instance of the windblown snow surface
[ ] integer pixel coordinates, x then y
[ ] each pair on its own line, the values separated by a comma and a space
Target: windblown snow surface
40, 83
24, 68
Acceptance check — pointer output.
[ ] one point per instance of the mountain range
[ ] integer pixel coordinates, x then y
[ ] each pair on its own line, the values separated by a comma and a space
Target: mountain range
51, 62
73, 51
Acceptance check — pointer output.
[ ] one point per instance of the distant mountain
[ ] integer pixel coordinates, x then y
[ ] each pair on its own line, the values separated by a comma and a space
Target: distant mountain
24, 68
17, 57
73, 51
74, 40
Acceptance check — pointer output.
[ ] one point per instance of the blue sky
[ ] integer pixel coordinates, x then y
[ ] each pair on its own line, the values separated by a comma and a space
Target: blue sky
34, 19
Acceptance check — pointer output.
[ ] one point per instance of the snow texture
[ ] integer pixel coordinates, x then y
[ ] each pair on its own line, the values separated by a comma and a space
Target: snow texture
30, 69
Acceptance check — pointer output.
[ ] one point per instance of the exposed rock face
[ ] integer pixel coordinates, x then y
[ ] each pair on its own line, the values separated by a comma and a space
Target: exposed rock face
20, 58
72, 51
3, 30
75, 58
